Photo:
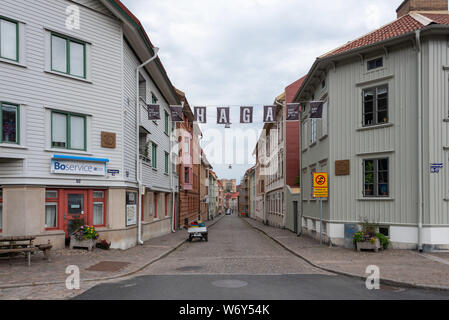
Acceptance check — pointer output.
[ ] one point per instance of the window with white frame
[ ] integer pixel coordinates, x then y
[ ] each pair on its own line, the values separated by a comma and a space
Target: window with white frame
324, 120
68, 55
313, 133
51, 209
376, 177
375, 106
9, 39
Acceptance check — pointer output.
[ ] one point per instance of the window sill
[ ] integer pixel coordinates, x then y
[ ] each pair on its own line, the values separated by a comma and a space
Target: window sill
68, 76
323, 137
446, 120
376, 199
377, 126
13, 146
14, 63
312, 144
69, 151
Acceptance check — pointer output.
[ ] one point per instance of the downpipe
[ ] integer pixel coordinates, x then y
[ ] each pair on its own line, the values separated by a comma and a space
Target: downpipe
420, 142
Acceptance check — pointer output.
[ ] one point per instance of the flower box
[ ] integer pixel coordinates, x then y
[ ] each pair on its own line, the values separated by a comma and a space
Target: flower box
89, 244
369, 245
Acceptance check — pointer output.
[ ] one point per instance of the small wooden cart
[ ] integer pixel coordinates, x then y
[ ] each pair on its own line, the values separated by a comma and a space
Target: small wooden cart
199, 233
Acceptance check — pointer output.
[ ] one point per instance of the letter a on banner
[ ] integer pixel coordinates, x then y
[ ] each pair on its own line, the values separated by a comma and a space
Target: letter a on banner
246, 114
200, 114
269, 114
223, 116
176, 113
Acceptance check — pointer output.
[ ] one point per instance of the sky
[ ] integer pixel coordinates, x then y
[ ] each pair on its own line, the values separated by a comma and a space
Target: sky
245, 52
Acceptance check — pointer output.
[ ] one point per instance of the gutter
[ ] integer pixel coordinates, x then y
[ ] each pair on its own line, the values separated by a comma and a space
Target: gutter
420, 142
138, 162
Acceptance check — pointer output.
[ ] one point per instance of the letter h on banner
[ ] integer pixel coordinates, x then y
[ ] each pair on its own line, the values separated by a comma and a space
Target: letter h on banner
200, 114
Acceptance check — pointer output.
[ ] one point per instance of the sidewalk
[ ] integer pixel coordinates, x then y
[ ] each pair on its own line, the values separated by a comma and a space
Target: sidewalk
47, 279
397, 267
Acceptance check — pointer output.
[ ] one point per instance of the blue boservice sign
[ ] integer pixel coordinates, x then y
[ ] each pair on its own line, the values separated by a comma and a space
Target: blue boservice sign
62, 166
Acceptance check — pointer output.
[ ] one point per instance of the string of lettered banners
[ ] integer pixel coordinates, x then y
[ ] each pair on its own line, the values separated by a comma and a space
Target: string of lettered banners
246, 113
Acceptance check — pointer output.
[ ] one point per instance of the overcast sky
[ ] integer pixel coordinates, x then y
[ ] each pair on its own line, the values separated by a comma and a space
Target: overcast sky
245, 52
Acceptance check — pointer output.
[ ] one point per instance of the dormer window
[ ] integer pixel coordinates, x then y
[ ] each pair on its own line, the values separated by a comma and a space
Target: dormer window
375, 63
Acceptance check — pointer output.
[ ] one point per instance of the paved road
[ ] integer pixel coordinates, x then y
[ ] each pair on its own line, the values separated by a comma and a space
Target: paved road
240, 263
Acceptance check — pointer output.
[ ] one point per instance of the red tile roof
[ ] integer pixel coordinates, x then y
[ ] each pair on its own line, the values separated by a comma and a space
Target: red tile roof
396, 28
290, 91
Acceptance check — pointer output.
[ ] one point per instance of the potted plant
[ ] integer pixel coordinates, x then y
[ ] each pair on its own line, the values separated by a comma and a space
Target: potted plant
84, 237
368, 239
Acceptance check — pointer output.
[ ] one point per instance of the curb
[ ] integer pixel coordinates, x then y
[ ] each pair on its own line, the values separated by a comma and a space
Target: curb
161, 256
384, 281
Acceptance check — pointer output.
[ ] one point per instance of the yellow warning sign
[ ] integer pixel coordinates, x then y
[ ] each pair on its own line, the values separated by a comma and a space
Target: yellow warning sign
320, 185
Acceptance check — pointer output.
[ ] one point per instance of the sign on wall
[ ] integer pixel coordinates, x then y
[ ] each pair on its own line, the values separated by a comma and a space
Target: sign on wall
131, 208
320, 185
342, 168
108, 140
176, 113
61, 166
316, 110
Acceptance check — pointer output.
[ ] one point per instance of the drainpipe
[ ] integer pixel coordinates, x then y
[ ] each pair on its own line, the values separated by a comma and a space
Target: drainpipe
420, 147
138, 171
172, 222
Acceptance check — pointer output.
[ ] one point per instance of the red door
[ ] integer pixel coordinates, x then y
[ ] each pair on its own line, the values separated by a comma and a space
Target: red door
74, 210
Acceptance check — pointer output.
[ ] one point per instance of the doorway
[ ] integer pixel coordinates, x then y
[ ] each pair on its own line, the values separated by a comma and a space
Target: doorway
75, 210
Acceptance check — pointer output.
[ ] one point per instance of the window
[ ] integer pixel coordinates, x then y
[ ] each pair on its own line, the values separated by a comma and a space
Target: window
154, 99
375, 63
312, 171
376, 180
324, 120
68, 56
51, 209
68, 131
9, 123
375, 106
166, 204
1, 209
156, 199
154, 155
166, 162
9, 39
313, 130
187, 175
98, 208
167, 127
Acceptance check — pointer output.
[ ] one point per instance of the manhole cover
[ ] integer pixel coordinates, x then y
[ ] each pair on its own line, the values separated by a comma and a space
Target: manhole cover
232, 284
189, 268
108, 266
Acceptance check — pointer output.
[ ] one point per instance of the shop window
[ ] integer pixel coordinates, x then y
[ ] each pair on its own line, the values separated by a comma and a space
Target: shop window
68, 56
1, 209
51, 209
9, 123
166, 204
68, 131
156, 198
98, 208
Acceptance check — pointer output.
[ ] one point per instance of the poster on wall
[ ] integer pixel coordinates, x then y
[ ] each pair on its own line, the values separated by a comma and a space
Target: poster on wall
154, 112
131, 209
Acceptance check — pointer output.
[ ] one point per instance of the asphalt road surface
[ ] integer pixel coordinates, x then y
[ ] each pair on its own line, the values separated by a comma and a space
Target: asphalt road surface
240, 263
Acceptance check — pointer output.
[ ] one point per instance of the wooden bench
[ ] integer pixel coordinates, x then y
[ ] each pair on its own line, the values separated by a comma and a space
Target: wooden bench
27, 252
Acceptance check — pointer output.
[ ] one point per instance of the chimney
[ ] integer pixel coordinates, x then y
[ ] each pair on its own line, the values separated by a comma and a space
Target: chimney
421, 5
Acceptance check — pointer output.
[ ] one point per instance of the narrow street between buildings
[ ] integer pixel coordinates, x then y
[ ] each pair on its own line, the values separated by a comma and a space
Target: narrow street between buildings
239, 262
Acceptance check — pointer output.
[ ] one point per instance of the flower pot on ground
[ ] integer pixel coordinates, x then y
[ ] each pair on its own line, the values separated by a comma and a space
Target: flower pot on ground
85, 237
363, 241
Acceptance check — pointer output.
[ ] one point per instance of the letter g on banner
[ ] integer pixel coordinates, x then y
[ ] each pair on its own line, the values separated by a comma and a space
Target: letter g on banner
246, 114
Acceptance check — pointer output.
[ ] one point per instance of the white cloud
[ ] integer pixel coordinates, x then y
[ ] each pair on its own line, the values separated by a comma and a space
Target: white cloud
232, 52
